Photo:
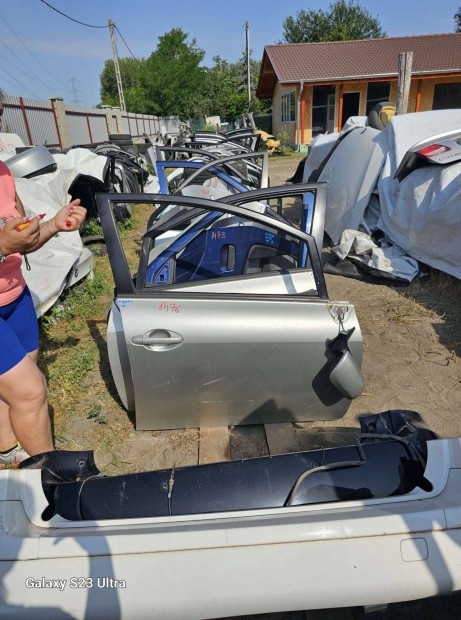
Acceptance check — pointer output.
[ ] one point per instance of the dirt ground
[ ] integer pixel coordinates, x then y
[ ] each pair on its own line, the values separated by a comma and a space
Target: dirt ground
412, 345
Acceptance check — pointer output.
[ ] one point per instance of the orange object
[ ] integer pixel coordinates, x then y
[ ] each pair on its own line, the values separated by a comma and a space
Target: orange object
27, 221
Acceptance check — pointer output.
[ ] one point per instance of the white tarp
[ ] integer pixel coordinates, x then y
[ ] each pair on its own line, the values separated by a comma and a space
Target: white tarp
9, 142
324, 142
51, 265
319, 149
422, 214
386, 257
70, 165
351, 174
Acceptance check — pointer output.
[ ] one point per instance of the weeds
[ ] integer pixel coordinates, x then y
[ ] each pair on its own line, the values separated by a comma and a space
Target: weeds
80, 299
126, 224
93, 228
95, 414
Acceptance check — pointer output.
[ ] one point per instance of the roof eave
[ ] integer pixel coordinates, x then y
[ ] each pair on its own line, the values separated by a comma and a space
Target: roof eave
373, 76
267, 78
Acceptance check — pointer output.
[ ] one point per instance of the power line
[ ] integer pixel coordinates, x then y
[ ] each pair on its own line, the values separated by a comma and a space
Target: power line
68, 16
30, 73
134, 58
61, 83
18, 83
3, 79
91, 26
71, 19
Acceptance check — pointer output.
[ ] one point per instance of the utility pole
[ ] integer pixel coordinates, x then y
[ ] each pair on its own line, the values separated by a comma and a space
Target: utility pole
117, 67
250, 113
247, 30
404, 81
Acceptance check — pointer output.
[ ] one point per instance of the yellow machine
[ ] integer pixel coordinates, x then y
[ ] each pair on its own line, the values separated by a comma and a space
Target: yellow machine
270, 142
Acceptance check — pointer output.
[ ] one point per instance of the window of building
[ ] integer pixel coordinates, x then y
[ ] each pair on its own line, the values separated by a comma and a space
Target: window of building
447, 96
377, 92
288, 107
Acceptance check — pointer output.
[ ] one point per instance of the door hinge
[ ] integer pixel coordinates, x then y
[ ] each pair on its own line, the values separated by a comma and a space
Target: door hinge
340, 311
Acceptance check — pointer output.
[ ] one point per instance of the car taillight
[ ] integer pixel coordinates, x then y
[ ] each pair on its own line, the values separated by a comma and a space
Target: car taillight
433, 150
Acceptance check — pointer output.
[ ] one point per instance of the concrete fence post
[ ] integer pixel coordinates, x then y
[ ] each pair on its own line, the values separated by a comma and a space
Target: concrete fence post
109, 119
62, 127
118, 120
114, 120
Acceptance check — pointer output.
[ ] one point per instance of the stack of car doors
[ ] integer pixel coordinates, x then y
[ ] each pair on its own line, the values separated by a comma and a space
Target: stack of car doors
186, 171
125, 172
243, 140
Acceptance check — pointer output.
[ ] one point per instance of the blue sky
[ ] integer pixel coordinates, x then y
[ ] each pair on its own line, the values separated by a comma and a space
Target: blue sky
44, 54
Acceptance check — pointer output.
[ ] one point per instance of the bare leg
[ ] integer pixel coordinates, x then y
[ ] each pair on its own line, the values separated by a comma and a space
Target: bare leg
7, 437
23, 388
34, 355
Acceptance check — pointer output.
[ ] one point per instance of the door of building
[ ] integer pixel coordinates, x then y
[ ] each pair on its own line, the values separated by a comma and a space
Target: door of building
351, 102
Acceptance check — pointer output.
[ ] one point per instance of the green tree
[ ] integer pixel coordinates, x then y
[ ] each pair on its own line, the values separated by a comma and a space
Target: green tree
172, 81
225, 91
218, 87
172, 77
258, 106
457, 18
130, 69
342, 22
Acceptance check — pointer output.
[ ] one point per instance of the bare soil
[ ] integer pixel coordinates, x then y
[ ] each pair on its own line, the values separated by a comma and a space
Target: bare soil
412, 344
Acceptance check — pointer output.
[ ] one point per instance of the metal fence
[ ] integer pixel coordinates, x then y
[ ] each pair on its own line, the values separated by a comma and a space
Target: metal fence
86, 126
34, 121
55, 124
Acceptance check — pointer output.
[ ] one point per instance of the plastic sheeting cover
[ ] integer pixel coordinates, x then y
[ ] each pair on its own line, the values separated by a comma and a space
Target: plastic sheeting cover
351, 174
422, 214
386, 257
50, 266
319, 149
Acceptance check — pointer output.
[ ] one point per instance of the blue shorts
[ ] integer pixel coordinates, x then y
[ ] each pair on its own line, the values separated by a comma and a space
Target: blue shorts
18, 331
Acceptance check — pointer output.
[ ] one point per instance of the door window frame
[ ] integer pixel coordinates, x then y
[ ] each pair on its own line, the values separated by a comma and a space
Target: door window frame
124, 282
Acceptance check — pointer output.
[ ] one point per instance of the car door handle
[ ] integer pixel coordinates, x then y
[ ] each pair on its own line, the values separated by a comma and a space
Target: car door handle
153, 340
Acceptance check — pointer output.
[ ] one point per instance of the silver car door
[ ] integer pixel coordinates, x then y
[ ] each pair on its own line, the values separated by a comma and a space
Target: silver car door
218, 353
212, 359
